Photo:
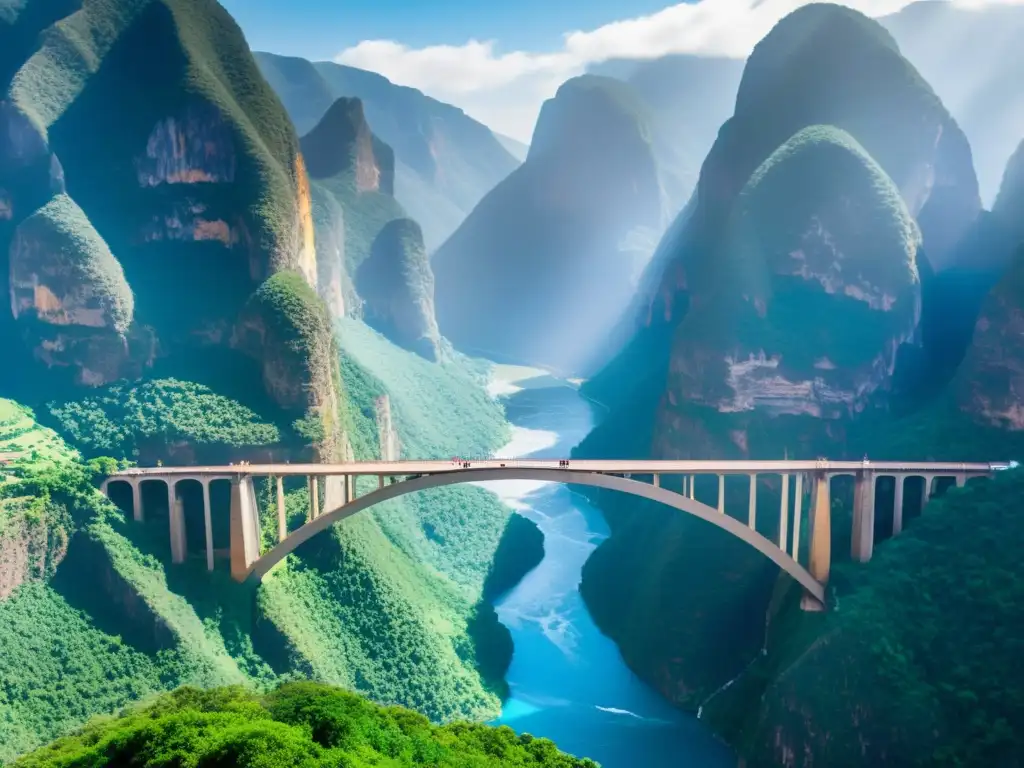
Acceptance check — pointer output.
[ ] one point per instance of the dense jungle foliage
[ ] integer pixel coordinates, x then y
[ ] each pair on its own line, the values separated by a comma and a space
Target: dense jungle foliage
298, 725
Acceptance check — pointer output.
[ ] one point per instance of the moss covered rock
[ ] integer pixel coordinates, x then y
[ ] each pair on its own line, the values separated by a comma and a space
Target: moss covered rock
397, 285
69, 294
541, 269
198, 188
815, 289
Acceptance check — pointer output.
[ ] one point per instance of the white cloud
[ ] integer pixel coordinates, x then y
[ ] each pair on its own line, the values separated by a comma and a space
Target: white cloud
505, 90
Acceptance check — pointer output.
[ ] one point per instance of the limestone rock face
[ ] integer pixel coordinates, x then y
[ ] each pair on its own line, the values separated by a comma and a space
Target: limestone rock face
541, 269
1009, 205
179, 206
828, 65
817, 288
989, 385
69, 293
397, 286
342, 143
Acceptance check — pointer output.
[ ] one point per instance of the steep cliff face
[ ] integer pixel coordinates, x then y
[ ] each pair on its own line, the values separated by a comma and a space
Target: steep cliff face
445, 161
989, 384
187, 202
397, 286
816, 289
349, 164
780, 303
541, 268
802, 74
1009, 205
971, 56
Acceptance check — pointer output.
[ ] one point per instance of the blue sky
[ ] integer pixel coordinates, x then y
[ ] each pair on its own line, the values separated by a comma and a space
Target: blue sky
320, 29
500, 59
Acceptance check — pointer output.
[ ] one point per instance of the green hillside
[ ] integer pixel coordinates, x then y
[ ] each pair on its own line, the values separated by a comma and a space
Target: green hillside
298, 724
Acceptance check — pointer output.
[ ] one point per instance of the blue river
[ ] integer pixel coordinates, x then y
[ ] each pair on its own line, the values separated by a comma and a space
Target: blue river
568, 681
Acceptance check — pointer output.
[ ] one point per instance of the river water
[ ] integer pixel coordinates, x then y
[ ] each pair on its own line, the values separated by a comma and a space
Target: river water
568, 681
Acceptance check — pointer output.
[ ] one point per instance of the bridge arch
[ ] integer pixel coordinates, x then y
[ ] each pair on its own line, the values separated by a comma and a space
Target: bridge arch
264, 564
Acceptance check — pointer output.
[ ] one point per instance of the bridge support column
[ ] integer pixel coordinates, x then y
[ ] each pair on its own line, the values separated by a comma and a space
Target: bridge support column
282, 517
721, 494
314, 497
380, 482
784, 514
244, 541
691, 486
137, 501
926, 491
798, 502
862, 540
897, 505
207, 524
350, 488
177, 523
821, 538
752, 509
961, 480
656, 480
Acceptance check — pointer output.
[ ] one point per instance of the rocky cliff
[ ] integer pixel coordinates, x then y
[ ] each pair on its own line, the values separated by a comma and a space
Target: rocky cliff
543, 265
971, 56
396, 284
445, 161
135, 236
781, 303
1009, 204
354, 168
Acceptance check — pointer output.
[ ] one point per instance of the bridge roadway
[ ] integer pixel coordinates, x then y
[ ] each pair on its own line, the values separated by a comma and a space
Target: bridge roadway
340, 499
612, 466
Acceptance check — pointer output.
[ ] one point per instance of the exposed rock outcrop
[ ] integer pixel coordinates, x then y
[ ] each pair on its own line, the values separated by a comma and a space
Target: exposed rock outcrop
989, 384
817, 288
397, 286
355, 168
541, 269
342, 144
180, 211
1009, 205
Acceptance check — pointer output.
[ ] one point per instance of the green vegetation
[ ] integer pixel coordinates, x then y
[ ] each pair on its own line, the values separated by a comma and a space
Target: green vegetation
919, 642
398, 615
299, 724
60, 244
297, 337
397, 286
19, 433
123, 417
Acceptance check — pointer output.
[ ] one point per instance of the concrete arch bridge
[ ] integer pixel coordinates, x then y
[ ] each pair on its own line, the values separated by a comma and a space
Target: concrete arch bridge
638, 478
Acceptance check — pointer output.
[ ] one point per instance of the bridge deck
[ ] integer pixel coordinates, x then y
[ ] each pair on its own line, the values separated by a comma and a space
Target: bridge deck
618, 466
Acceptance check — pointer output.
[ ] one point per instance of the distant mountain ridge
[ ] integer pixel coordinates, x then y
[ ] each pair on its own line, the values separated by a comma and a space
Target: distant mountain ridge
445, 160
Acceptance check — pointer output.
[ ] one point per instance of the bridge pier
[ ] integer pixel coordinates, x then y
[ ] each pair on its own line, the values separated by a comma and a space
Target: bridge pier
821, 539
752, 508
862, 540
926, 491
245, 548
897, 505
176, 516
207, 524
282, 518
721, 494
137, 501
784, 514
314, 497
798, 500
